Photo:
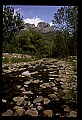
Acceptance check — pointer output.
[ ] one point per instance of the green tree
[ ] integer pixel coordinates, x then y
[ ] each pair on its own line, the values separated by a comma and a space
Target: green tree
11, 23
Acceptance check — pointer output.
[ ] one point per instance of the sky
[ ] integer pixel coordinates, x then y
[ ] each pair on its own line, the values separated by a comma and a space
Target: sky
35, 14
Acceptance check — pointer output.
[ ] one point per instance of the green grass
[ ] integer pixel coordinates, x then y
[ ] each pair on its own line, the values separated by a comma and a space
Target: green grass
16, 60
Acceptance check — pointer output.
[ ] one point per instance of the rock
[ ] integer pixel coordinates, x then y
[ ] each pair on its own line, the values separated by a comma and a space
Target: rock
33, 109
53, 96
51, 78
73, 113
66, 108
46, 101
48, 113
26, 73
19, 100
28, 92
51, 84
27, 82
55, 88
3, 100
19, 111
16, 99
39, 107
60, 94
46, 84
23, 89
38, 99
25, 85
18, 86
32, 113
33, 73
42, 86
8, 113
29, 103
36, 81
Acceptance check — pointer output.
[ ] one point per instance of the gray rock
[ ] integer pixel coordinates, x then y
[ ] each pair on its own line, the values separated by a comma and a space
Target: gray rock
53, 96
27, 82
28, 92
38, 99
73, 113
19, 100
46, 101
39, 107
8, 113
26, 73
3, 100
51, 84
36, 81
18, 111
18, 86
32, 113
23, 89
60, 94
42, 86
55, 88
48, 113
46, 84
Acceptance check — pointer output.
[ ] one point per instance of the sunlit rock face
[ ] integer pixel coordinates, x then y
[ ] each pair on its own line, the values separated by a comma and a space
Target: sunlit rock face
42, 27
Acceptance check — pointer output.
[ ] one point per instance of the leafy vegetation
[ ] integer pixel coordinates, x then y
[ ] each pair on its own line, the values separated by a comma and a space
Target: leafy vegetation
60, 43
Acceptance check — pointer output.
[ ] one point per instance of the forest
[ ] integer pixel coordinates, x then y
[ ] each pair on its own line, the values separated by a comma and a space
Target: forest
58, 44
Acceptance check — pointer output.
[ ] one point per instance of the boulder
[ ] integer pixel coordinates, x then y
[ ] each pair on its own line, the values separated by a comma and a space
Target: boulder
73, 113
48, 113
19, 100
46, 101
26, 73
32, 113
8, 113
38, 99
53, 96
18, 111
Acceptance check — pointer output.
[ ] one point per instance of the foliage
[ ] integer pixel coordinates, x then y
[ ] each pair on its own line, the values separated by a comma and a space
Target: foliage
60, 43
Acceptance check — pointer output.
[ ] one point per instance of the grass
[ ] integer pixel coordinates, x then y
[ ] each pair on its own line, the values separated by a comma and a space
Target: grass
15, 60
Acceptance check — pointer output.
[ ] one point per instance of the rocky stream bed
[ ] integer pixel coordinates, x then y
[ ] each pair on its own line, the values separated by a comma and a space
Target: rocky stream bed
46, 87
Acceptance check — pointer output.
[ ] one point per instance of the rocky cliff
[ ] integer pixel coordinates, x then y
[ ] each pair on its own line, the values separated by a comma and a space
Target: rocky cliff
41, 27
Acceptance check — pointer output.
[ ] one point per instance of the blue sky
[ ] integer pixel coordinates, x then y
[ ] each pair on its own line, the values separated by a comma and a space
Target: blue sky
35, 14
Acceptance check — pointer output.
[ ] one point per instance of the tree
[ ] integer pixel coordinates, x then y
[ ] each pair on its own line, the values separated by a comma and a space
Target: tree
66, 19
11, 23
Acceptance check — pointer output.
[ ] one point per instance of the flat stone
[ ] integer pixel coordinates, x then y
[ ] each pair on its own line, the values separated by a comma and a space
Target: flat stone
27, 82
31, 112
38, 99
55, 88
3, 100
26, 73
33, 108
39, 107
46, 101
66, 108
53, 96
16, 99
18, 86
20, 101
19, 111
46, 84
51, 78
60, 94
23, 89
8, 113
48, 113
25, 85
36, 81
33, 73
42, 86
51, 84
28, 92
73, 113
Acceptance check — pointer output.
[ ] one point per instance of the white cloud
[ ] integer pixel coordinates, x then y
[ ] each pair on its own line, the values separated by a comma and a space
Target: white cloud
51, 24
34, 20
